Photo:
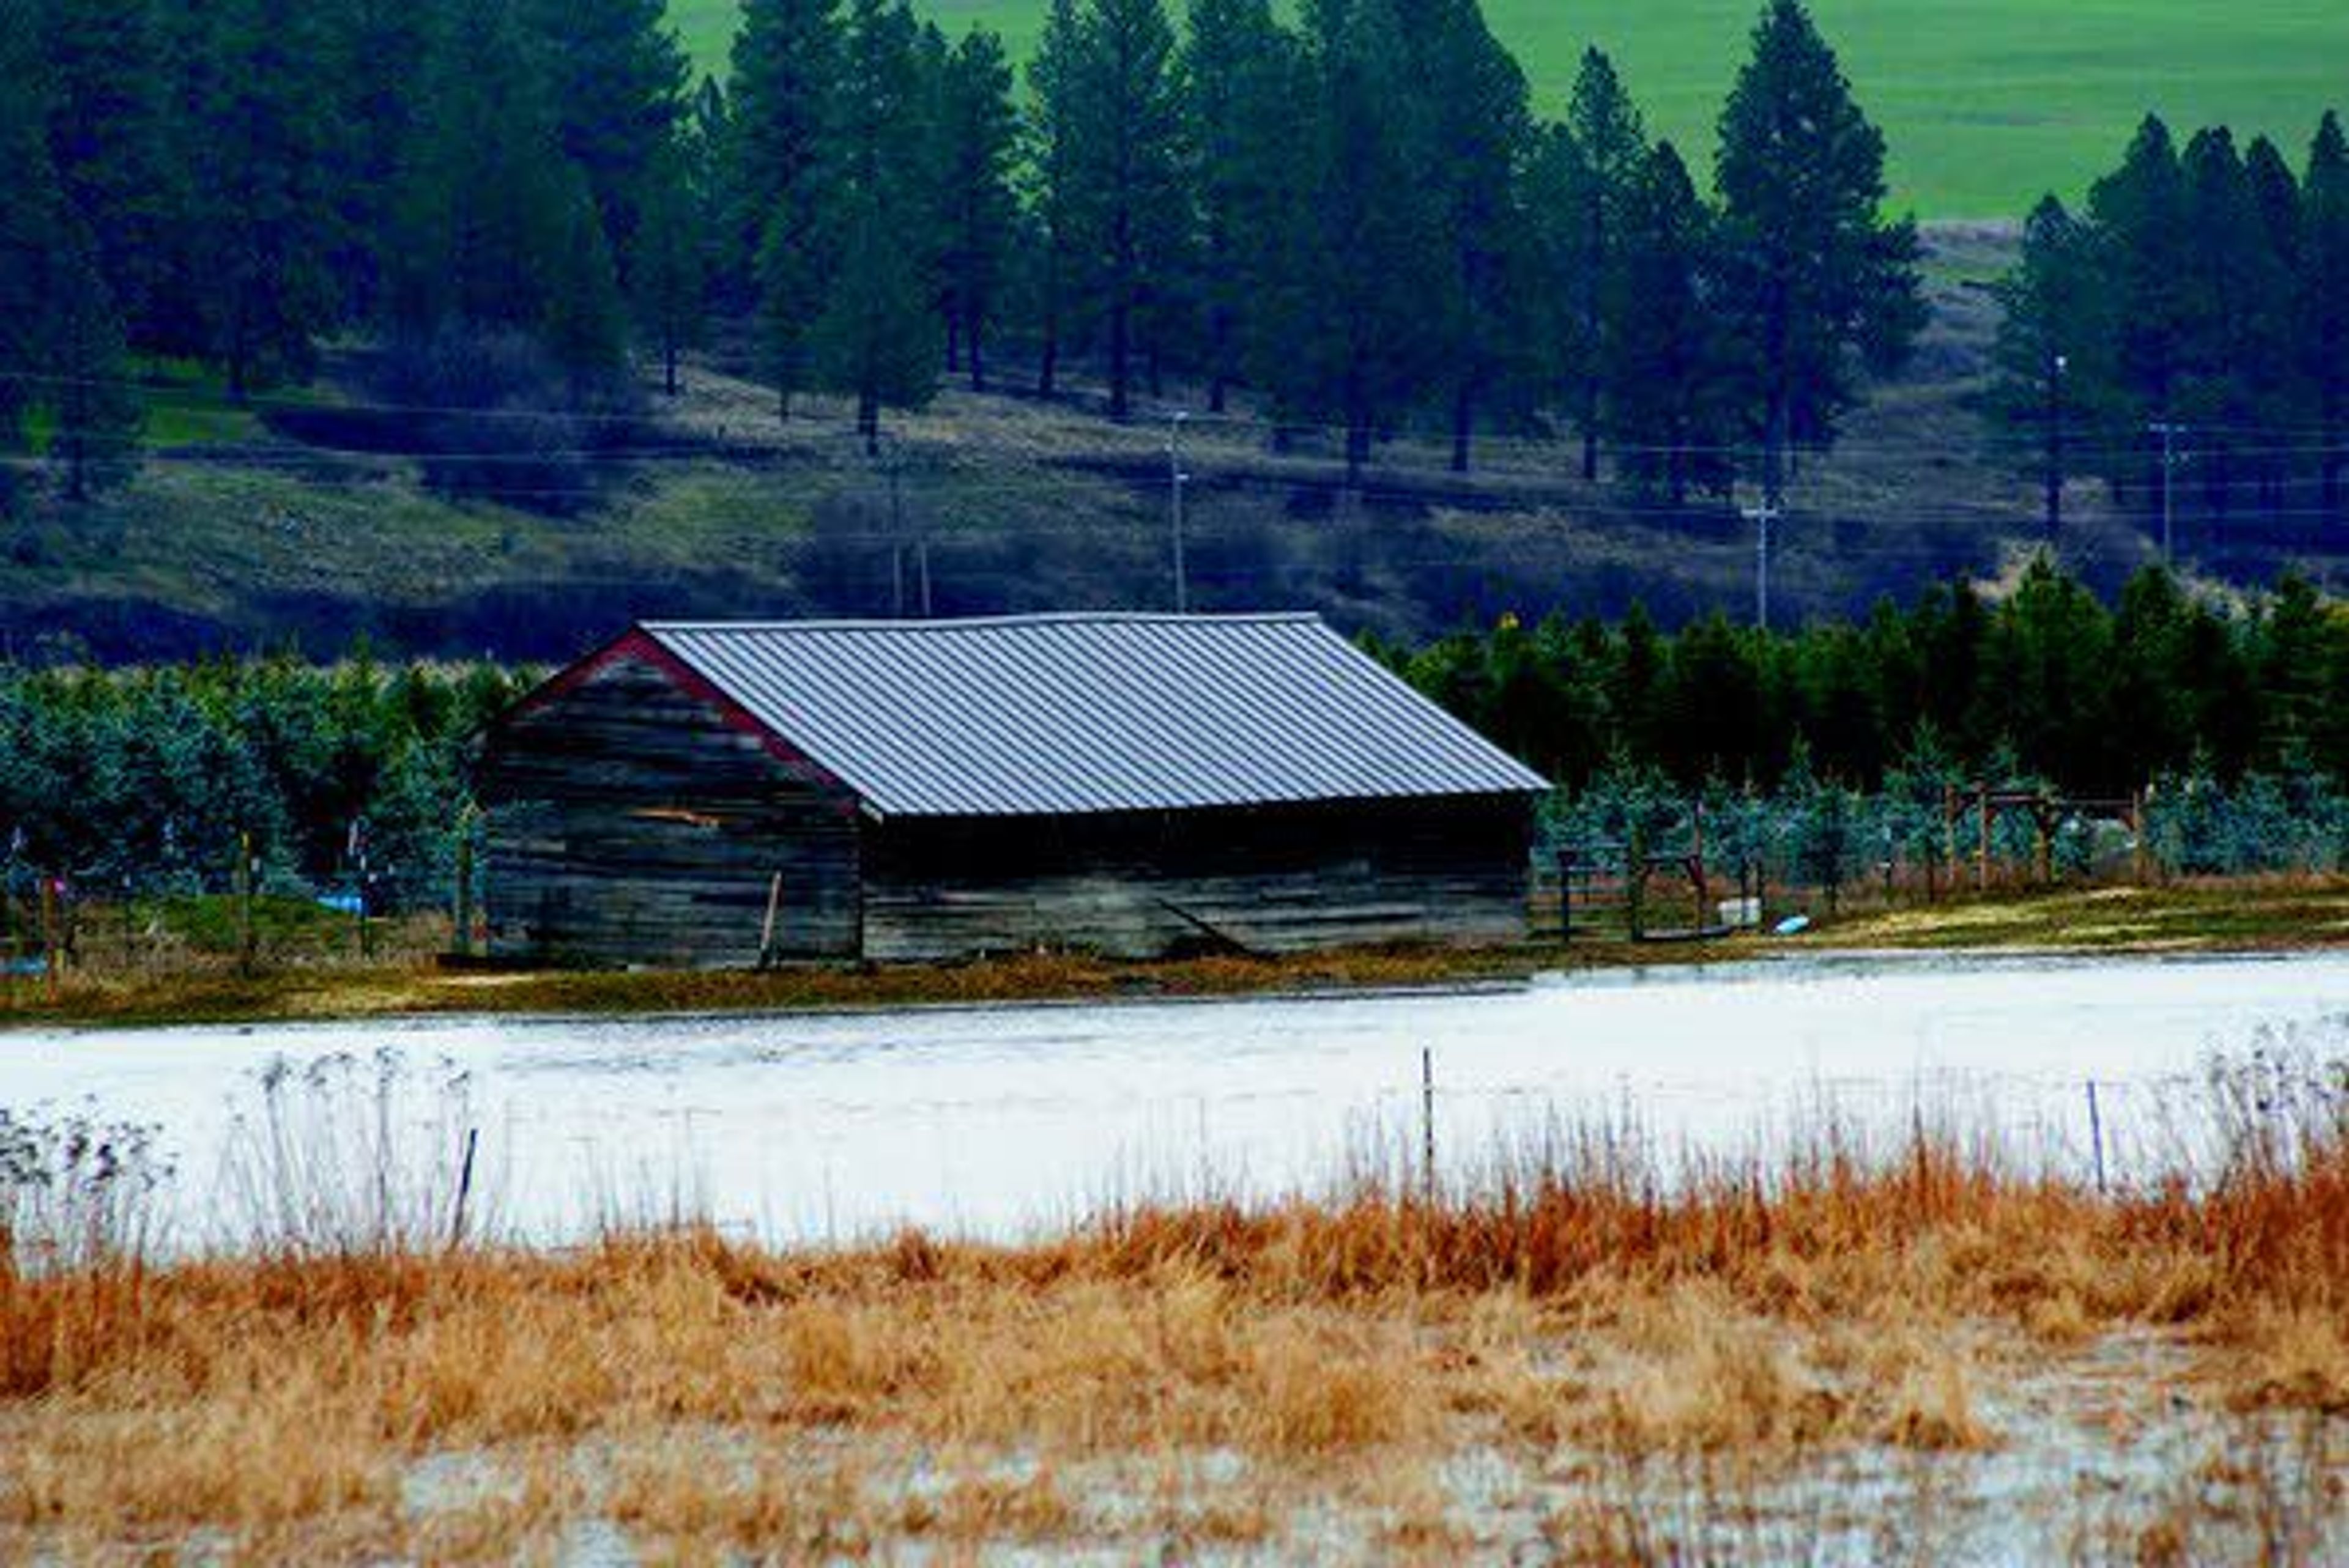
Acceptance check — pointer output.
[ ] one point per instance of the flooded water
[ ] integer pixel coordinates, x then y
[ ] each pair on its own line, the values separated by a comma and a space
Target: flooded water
994, 1121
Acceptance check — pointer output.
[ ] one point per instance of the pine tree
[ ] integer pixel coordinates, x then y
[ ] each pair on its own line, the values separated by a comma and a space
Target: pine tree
582, 319
976, 138
2322, 293
1239, 91
485, 230
264, 225
95, 413
1478, 132
1127, 200
618, 77
2049, 354
2276, 195
674, 215
2230, 274
786, 65
32, 223
2278, 389
2140, 209
1586, 171
1816, 279
709, 135
380, 53
2295, 667
1353, 340
1662, 390
1054, 74
121, 169
877, 338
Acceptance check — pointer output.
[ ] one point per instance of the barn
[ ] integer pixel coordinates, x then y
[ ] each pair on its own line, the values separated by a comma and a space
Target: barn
736, 794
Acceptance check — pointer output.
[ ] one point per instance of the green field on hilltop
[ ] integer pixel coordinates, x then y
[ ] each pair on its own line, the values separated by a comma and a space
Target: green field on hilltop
1986, 102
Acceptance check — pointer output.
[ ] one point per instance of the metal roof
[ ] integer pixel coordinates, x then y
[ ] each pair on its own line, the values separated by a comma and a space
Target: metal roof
1084, 713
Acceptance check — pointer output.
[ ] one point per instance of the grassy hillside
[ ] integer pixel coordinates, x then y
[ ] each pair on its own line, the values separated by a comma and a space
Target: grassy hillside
278, 525
1986, 103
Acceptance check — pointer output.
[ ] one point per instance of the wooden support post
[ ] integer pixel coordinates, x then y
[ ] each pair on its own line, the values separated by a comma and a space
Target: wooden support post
1566, 895
774, 909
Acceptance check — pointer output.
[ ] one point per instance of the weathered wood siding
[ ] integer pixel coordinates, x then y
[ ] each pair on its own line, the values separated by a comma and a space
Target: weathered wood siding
630, 823
1267, 879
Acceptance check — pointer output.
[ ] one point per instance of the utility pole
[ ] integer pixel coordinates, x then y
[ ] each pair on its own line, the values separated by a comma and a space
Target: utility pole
2054, 476
892, 464
2169, 432
1762, 517
1175, 480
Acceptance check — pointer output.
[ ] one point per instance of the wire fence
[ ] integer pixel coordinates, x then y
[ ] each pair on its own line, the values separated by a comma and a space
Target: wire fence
1630, 857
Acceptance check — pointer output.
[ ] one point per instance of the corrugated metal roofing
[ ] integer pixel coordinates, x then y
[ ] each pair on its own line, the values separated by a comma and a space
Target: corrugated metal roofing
1063, 714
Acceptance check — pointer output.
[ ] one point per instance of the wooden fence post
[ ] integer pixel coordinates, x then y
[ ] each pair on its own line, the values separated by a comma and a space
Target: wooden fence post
1981, 860
1635, 882
2097, 1134
1696, 865
52, 958
1950, 834
1427, 1121
248, 941
2043, 818
2142, 859
464, 935
464, 1191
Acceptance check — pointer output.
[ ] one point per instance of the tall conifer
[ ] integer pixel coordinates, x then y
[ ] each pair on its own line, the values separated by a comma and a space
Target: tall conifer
1665, 401
1477, 133
1354, 342
786, 66
1240, 82
2323, 291
1586, 171
2050, 354
1127, 200
264, 220
876, 340
1815, 279
975, 139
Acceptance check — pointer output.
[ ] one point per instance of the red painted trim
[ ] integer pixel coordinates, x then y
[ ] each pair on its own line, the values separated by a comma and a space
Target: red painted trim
637, 643
567, 679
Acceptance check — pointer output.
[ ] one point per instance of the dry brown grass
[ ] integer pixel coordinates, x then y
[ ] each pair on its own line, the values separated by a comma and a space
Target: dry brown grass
709, 1399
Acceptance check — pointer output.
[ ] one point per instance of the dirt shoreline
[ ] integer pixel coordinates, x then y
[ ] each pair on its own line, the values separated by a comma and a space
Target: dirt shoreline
2215, 917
